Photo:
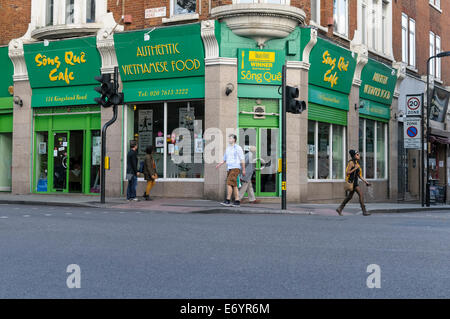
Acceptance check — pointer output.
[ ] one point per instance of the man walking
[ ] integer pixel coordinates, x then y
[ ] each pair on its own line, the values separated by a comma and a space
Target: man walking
132, 171
246, 181
234, 157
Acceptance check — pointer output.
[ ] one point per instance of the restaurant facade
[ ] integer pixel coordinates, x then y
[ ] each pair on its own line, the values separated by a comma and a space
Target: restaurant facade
186, 88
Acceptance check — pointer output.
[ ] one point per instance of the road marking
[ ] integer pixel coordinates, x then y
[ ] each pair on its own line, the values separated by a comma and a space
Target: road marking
4, 217
138, 212
68, 213
47, 215
26, 215
87, 213
122, 213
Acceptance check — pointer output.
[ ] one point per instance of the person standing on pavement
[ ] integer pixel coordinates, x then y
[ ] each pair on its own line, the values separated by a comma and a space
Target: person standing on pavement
149, 171
246, 181
353, 172
132, 171
234, 157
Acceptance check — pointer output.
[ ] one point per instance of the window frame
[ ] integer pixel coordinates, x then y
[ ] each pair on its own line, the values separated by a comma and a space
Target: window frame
172, 9
375, 151
165, 134
412, 42
405, 48
432, 51
337, 7
317, 18
438, 71
330, 159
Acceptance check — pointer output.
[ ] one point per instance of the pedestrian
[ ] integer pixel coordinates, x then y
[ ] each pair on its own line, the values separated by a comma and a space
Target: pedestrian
353, 172
246, 181
132, 171
149, 171
234, 157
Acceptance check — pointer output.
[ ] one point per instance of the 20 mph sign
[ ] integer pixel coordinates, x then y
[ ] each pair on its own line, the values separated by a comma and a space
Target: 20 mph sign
412, 133
414, 105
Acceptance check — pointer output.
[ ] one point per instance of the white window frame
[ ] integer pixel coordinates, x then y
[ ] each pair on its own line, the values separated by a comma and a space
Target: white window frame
125, 151
405, 51
436, 4
438, 48
286, 2
316, 19
364, 16
330, 159
432, 53
172, 9
337, 7
412, 42
363, 151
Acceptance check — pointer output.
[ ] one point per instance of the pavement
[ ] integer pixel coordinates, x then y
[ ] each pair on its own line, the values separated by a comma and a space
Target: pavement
187, 205
123, 253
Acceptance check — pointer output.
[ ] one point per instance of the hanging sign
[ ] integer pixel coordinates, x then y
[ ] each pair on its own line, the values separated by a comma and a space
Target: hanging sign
412, 133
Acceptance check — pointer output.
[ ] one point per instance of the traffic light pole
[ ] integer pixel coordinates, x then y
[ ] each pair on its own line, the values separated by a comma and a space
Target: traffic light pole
283, 139
104, 128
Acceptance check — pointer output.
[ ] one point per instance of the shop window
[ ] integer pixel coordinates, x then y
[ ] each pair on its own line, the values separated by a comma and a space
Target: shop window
326, 149
175, 130
41, 161
373, 148
6, 162
96, 149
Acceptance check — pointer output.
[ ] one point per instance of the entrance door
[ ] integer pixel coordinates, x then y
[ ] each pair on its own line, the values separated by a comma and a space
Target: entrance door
265, 178
60, 161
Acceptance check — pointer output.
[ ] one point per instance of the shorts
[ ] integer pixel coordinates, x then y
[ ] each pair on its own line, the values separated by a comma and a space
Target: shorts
232, 176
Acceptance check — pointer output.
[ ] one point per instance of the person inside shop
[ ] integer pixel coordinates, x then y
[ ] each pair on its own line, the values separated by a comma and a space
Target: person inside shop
149, 171
234, 157
353, 173
132, 171
246, 181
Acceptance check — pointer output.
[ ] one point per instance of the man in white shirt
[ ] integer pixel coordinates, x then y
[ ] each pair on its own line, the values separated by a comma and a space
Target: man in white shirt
234, 157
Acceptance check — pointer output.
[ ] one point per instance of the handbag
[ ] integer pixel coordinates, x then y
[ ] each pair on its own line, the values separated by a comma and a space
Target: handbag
348, 186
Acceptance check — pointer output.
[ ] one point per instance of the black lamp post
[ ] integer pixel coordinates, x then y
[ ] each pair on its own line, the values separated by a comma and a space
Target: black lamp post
439, 55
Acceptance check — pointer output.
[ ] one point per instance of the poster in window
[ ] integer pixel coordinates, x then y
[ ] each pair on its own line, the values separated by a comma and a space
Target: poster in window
198, 145
145, 140
145, 121
159, 141
96, 150
187, 118
42, 148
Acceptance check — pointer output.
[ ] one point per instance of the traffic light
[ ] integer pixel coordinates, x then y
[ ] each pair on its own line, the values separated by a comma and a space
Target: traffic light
106, 90
292, 104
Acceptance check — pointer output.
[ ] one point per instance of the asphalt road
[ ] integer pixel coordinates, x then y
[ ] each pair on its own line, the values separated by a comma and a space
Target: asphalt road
132, 254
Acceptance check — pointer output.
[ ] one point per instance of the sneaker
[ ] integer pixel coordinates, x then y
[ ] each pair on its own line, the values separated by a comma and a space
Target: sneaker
237, 203
135, 199
226, 203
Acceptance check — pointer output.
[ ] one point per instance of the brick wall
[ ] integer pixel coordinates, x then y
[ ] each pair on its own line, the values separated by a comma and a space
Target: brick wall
14, 19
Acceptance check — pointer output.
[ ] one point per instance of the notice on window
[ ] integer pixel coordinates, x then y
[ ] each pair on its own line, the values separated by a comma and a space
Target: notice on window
96, 150
145, 121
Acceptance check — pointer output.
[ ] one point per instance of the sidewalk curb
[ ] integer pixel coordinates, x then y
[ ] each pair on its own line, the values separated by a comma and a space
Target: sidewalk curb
41, 203
234, 210
405, 210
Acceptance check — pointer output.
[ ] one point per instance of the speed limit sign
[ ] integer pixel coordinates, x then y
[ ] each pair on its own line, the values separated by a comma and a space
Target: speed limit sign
414, 105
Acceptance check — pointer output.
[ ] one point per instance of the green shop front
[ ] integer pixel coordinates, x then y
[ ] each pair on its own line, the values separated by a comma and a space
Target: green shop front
163, 76
375, 99
6, 120
66, 123
259, 105
330, 81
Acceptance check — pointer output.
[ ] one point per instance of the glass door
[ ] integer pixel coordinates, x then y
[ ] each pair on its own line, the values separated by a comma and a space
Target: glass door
265, 177
60, 161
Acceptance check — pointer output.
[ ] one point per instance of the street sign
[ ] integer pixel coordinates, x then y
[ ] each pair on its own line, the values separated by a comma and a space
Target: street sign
412, 133
414, 105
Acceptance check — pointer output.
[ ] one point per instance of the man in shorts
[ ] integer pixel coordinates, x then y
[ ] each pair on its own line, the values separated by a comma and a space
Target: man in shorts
234, 157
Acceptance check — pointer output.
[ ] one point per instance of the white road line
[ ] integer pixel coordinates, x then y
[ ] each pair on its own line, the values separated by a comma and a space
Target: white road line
122, 213
26, 215
4, 217
87, 213
47, 215
68, 213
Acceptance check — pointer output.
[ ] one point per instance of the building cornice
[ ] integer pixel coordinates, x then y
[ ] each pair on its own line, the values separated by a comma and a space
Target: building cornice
209, 39
309, 46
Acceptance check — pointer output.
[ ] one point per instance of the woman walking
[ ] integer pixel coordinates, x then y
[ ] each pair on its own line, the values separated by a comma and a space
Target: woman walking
353, 173
149, 171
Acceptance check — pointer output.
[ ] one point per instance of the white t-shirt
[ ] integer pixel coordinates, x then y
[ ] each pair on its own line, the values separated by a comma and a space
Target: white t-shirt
234, 155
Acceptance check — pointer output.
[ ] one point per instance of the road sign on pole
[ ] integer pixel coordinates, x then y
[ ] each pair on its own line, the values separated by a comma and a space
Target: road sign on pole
414, 105
413, 133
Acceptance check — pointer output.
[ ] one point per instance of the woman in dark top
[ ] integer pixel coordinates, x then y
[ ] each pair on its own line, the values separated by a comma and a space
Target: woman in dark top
149, 171
353, 174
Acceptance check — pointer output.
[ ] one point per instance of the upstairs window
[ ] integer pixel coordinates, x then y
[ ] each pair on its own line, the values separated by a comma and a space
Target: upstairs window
90, 11
70, 10
184, 6
49, 12
340, 15
315, 11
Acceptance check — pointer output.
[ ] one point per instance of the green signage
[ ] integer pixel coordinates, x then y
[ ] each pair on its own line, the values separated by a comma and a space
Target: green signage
63, 63
260, 66
322, 96
375, 109
332, 67
377, 82
160, 54
6, 79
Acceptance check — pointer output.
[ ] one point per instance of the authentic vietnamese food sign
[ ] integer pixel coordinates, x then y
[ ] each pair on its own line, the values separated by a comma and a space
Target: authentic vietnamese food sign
260, 66
160, 54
